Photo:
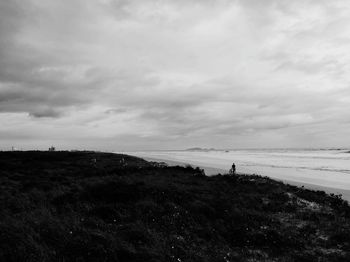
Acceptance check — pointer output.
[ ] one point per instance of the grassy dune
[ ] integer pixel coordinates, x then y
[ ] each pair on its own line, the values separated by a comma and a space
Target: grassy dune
86, 206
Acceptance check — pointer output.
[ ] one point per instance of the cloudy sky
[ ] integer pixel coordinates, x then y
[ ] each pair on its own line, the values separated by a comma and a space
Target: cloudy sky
161, 74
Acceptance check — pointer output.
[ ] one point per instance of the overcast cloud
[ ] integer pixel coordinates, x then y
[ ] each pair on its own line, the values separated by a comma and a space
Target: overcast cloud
128, 75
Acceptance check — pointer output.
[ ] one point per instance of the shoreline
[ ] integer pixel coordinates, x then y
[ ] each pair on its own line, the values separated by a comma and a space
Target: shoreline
213, 171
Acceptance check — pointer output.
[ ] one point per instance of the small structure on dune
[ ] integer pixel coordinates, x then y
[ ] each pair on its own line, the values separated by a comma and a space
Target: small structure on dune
52, 148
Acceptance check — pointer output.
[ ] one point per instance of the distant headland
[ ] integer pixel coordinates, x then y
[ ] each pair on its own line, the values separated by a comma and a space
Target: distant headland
200, 149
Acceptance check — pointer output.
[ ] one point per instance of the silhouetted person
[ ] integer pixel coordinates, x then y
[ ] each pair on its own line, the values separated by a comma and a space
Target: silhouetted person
233, 169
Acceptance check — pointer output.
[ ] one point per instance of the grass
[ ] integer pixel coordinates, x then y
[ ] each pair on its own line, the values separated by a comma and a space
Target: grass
87, 206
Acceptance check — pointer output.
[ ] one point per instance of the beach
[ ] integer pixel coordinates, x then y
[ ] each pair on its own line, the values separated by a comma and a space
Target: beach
327, 170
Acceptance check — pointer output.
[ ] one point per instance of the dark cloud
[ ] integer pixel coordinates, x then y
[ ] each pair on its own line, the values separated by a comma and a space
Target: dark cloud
47, 112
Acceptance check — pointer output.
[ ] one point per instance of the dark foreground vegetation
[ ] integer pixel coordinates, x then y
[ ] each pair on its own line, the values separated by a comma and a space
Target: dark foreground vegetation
85, 206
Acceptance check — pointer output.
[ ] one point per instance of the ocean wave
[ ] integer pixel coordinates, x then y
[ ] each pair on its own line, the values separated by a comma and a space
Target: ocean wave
328, 169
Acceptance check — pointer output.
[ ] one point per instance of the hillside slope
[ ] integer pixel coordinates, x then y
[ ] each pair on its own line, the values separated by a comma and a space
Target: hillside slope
86, 206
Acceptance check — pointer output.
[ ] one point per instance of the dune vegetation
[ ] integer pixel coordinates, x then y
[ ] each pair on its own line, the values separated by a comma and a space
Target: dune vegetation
88, 206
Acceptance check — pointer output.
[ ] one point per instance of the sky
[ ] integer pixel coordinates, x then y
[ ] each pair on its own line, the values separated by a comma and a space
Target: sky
158, 74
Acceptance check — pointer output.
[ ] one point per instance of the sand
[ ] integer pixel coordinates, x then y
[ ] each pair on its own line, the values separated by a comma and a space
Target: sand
283, 177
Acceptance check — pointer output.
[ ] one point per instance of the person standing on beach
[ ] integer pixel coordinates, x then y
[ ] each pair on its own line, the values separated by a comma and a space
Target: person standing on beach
233, 169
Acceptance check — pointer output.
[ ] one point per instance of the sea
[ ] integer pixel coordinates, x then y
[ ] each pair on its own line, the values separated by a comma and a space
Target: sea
322, 167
